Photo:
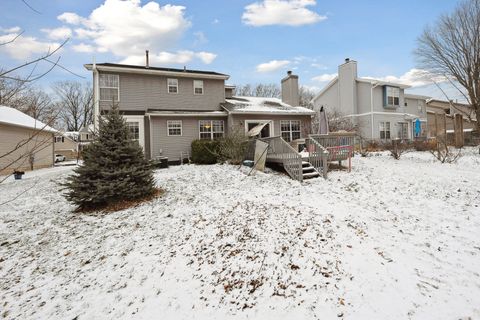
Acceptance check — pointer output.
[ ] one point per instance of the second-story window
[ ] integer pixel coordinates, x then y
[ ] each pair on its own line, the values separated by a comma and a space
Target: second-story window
109, 87
197, 86
392, 96
172, 85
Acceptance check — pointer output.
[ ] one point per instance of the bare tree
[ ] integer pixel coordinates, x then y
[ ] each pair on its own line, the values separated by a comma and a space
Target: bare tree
451, 49
269, 90
75, 100
306, 95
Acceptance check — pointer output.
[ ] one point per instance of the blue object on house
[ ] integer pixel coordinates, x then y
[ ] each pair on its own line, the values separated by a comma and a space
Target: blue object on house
418, 128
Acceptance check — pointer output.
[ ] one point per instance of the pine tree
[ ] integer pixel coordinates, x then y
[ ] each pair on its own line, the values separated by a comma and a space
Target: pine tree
114, 168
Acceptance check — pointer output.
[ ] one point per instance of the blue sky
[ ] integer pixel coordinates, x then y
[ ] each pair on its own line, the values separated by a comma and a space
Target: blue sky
253, 41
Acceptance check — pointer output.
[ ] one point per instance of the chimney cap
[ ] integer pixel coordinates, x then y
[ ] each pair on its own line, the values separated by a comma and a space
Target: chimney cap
347, 59
289, 72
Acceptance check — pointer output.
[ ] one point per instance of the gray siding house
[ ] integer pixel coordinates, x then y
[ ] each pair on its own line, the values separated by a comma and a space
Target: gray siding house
381, 110
166, 109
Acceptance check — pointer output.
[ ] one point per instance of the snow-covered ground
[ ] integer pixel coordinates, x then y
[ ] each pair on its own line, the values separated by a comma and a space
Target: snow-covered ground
390, 240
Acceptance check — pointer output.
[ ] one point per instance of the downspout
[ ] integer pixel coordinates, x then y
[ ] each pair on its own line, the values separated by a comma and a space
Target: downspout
375, 84
96, 105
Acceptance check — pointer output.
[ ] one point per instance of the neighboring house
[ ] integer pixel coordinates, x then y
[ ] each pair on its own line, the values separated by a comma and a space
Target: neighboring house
381, 110
85, 136
66, 146
444, 112
166, 109
25, 143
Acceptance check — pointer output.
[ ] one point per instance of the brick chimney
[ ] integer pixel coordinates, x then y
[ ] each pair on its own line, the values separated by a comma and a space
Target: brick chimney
290, 89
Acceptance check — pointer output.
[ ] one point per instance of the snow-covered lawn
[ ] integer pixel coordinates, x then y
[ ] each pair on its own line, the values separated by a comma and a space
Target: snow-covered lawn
391, 240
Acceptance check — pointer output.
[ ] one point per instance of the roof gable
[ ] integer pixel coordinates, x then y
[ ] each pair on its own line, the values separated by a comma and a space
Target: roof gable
17, 118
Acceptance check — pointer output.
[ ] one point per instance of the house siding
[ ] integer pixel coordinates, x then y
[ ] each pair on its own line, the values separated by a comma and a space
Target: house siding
141, 92
11, 136
172, 146
238, 122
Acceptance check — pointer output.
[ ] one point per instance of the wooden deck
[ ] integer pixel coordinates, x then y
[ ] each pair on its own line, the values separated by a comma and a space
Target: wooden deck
321, 149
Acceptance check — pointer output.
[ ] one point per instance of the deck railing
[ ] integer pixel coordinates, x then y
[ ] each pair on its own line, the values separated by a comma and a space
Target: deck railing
282, 151
317, 156
335, 139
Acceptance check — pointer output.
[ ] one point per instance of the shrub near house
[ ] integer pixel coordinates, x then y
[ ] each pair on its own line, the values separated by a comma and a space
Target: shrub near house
114, 169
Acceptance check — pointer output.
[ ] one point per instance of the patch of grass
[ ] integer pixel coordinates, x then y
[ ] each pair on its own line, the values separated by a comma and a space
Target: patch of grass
122, 204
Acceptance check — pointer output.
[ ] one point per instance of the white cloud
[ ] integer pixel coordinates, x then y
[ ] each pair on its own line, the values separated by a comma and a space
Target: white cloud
325, 77
82, 47
11, 30
71, 18
164, 57
215, 21
273, 65
61, 33
206, 57
24, 47
281, 12
127, 29
413, 77
200, 38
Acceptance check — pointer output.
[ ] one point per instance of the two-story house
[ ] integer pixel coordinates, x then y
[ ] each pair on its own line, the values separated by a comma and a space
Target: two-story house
380, 110
166, 109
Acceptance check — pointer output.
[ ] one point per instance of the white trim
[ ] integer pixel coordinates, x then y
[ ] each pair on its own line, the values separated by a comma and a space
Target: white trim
168, 86
203, 89
266, 113
174, 122
179, 74
211, 132
272, 131
118, 88
386, 114
192, 114
290, 131
141, 128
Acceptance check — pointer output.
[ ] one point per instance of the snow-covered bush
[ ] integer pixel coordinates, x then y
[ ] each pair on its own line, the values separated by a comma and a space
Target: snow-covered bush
114, 168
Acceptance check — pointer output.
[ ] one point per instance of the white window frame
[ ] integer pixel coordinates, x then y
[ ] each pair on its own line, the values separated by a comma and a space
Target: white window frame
100, 87
393, 92
129, 125
247, 122
290, 131
401, 131
383, 125
195, 82
168, 85
200, 122
173, 123
141, 128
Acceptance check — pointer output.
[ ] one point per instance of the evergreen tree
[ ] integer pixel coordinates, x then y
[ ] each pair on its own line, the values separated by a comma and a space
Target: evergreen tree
114, 168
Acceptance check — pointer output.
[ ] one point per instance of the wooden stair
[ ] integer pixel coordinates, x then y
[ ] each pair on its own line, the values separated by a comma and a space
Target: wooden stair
308, 171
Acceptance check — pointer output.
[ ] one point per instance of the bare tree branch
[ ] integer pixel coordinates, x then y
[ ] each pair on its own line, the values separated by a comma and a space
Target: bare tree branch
31, 8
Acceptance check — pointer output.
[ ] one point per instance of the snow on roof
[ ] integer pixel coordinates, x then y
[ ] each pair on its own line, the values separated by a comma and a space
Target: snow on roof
262, 105
15, 117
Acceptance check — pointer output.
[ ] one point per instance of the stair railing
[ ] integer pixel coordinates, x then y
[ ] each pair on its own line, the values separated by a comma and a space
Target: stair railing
290, 158
317, 156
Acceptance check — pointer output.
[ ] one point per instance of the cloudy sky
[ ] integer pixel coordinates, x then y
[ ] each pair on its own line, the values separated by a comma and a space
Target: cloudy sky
253, 41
